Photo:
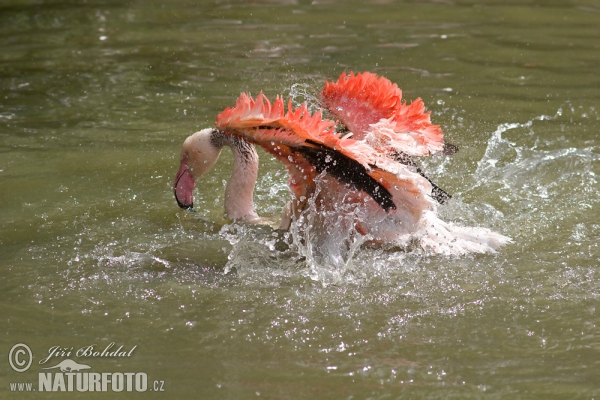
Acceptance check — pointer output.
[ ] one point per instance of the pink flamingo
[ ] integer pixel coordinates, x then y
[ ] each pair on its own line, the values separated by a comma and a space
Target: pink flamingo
367, 164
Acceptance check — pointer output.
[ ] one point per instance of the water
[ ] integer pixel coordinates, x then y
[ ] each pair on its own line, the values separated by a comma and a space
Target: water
96, 98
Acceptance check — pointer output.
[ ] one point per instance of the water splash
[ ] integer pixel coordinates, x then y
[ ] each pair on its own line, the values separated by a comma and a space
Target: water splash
540, 186
521, 187
305, 93
498, 147
325, 235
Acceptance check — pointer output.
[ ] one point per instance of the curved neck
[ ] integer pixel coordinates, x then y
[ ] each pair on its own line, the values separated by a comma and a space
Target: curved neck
239, 194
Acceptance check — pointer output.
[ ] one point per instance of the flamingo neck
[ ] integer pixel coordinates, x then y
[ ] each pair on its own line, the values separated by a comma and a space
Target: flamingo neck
239, 193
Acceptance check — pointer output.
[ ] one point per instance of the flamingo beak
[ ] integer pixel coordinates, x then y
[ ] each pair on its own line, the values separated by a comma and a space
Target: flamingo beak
183, 187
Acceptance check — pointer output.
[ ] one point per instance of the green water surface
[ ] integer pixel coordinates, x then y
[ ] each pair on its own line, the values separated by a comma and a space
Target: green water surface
96, 98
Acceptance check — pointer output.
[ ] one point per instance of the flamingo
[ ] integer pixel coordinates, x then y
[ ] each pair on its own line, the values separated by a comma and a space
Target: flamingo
366, 163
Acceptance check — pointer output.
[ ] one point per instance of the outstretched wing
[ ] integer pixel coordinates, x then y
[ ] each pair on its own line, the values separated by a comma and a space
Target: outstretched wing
361, 100
372, 108
308, 145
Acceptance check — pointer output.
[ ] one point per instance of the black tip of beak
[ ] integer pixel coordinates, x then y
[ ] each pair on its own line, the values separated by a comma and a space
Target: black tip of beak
189, 207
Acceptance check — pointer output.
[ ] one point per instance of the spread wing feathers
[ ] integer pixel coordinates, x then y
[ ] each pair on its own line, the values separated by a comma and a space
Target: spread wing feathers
291, 128
372, 108
297, 137
361, 100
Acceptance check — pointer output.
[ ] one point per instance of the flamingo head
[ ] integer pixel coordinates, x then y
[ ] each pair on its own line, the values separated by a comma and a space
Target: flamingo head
198, 154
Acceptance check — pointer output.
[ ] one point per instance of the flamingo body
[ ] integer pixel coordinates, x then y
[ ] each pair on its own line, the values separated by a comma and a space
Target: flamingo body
370, 169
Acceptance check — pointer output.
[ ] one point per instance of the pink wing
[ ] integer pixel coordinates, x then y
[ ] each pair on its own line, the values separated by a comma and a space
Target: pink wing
308, 144
371, 107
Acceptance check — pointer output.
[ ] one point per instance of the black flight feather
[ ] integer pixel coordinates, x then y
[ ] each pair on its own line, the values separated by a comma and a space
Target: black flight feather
437, 193
346, 170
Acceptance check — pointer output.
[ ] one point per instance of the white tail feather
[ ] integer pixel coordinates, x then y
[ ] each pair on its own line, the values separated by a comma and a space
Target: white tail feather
446, 238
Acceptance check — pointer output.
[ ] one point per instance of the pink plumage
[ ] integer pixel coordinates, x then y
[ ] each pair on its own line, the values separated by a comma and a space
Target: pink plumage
370, 165
372, 108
